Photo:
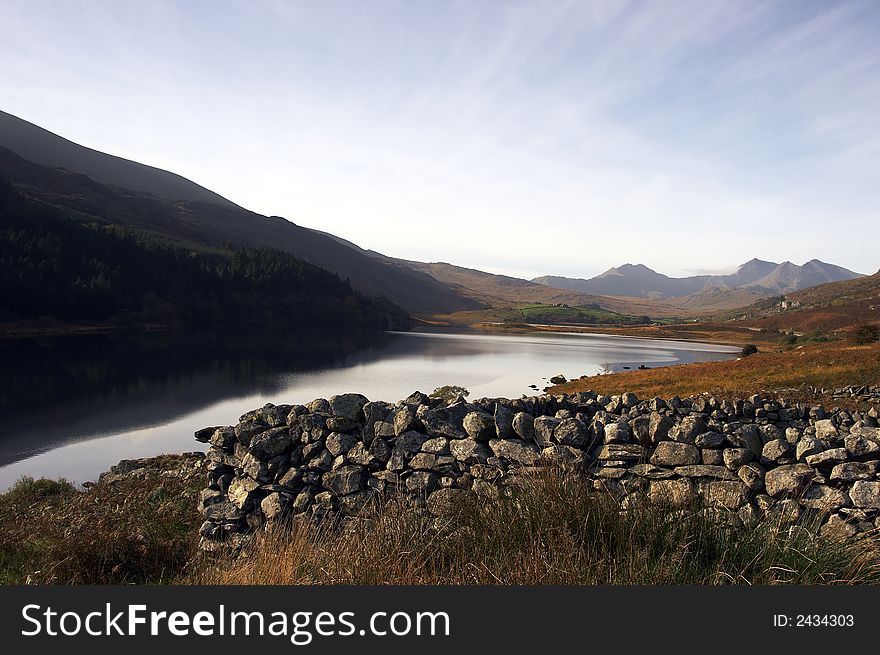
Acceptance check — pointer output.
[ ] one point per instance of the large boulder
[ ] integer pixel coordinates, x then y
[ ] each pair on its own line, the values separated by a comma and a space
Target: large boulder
524, 426
348, 405
345, 480
674, 453
480, 426
865, 494
788, 480
518, 452
572, 432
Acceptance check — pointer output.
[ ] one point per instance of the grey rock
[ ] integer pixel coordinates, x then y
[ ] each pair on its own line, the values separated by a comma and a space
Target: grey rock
865, 494
672, 493
241, 492
652, 472
479, 426
421, 483
348, 405
520, 452
572, 432
626, 452
852, 471
861, 447
674, 453
824, 498
788, 480
504, 422
776, 450
825, 429
274, 505
752, 475
828, 458
405, 420
703, 471
709, 440
524, 426
808, 446
727, 494
436, 446
544, 427
658, 428
339, 444
615, 433
345, 480
469, 451
734, 458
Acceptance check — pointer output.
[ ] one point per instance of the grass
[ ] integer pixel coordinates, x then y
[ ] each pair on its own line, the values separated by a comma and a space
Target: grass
554, 530
551, 529
824, 365
131, 531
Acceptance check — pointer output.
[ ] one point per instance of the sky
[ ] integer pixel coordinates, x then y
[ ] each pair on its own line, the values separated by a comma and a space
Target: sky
524, 138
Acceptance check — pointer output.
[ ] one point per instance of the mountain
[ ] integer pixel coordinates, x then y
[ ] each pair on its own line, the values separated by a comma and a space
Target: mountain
757, 276
827, 307
153, 201
47, 149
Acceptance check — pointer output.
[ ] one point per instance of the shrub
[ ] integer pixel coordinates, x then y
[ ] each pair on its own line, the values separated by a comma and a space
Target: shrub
866, 334
448, 393
749, 349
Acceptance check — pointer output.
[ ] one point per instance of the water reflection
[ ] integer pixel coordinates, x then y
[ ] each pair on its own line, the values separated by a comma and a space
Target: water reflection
73, 406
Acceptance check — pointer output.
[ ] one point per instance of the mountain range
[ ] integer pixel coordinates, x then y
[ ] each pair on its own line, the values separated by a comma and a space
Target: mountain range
757, 276
48, 168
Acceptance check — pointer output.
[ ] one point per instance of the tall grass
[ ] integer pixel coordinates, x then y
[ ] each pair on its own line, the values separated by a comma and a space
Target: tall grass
553, 530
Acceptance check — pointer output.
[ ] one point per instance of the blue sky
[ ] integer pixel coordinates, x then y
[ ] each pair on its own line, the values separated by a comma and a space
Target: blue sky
517, 137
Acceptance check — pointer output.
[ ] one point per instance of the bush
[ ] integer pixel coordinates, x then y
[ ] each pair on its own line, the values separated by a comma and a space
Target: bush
866, 334
449, 393
749, 349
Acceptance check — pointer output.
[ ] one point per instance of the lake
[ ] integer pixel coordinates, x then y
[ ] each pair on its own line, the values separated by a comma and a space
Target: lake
73, 406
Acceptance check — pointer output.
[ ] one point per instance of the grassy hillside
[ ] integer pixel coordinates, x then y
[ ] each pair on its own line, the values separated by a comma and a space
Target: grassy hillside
212, 226
822, 365
55, 263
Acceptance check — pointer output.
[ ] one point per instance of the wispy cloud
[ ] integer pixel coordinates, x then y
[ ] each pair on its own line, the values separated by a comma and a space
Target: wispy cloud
523, 137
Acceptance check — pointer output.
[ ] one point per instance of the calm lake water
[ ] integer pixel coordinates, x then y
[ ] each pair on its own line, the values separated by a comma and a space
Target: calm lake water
74, 406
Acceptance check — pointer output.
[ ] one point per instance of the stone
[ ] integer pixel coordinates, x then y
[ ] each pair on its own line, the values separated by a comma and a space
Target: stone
671, 493
651, 472
558, 379
734, 458
865, 495
479, 426
423, 462
421, 483
747, 436
274, 505
703, 471
271, 443
711, 456
445, 421
448, 503
339, 444
241, 492
828, 458
469, 451
775, 450
824, 498
348, 405
223, 438
727, 494
405, 420
658, 428
837, 528
544, 427
852, 471
504, 421
752, 475
620, 452
825, 429
436, 446
808, 446
410, 442
674, 453
520, 452
709, 440
688, 429
246, 431
562, 456
341, 424
572, 432
524, 426
861, 447
223, 512
616, 433
345, 480
788, 480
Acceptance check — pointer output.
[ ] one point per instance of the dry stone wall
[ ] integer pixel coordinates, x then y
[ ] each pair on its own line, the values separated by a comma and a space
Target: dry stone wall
744, 459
